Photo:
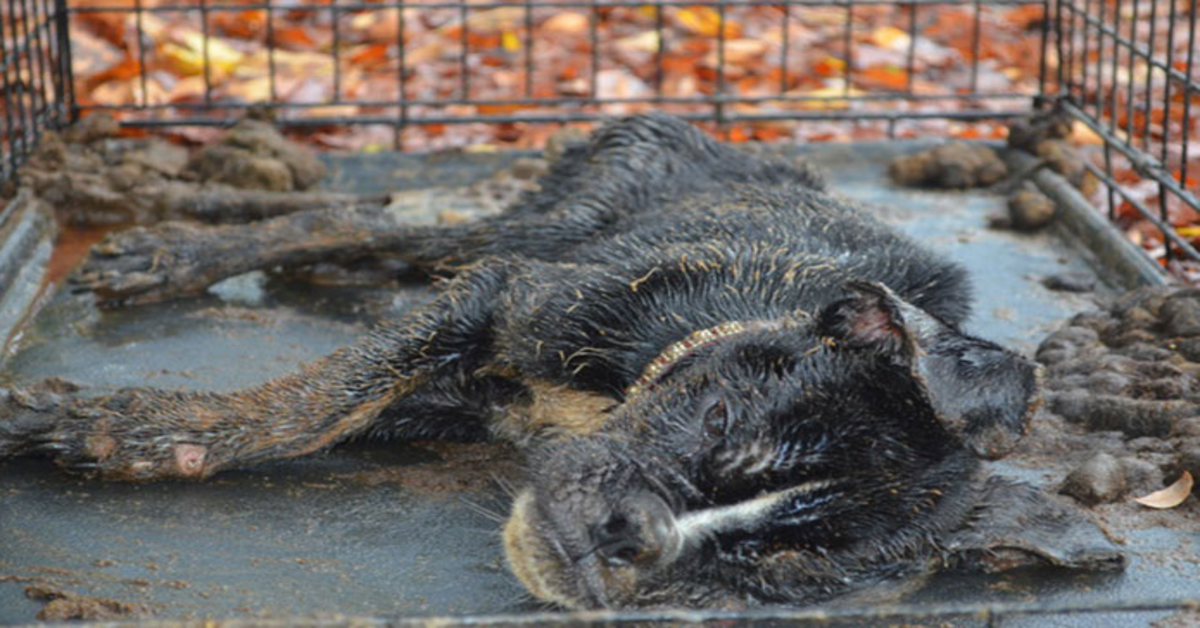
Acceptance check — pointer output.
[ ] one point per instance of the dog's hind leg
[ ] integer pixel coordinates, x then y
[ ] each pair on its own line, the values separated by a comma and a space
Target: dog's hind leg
628, 168
144, 433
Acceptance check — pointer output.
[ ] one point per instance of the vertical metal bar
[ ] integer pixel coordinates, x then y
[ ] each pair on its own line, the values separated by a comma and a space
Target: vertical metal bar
65, 72
848, 46
1116, 66
529, 39
46, 50
464, 72
976, 36
660, 53
141, 44
336, 44
719, 109
13, 93
10, 127
1083, 59
1041, 95
1068, 60
272, 84
1166, 139
204, 36
1133, 27
1162, 215
594, 44
1060, 77
402, 122
1099, 115
1150, 74
1108, 169
910, 58
784, 45
38, 78
1187, 96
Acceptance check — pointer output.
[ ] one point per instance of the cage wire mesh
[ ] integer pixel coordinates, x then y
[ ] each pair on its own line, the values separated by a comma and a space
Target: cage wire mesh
413, 65
34, 76
1127, 70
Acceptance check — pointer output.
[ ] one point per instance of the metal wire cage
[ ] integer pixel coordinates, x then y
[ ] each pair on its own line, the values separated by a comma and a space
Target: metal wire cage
410, 81
1127, 70
34, 76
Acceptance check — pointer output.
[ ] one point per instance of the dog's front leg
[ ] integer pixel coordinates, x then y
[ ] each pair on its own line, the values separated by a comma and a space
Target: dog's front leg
145, 433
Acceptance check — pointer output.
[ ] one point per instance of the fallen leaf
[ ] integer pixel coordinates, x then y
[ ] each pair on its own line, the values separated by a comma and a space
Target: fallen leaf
489, 21
369, 55
830, 66
1083, 135
890, 37
888, 77
510, 41
706, 21
743, 51
646, 41
188, 55
568, 22
1171, 496
830, 97
1189, 232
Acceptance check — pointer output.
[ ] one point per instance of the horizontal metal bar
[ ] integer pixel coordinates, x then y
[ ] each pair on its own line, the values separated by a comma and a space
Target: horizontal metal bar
568, 101
1144, 164
417, 120
1167, 230
685, 617
580, 4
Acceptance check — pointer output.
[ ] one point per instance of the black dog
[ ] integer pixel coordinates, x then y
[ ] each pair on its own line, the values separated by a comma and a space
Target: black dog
734, 387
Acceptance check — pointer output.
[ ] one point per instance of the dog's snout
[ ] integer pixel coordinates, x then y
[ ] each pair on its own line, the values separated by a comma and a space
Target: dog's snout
640, 529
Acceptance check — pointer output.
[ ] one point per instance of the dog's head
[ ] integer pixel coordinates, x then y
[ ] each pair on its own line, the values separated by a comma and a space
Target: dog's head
787, 460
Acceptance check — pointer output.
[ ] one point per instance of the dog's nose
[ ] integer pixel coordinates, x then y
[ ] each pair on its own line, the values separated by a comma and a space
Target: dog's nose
640, 529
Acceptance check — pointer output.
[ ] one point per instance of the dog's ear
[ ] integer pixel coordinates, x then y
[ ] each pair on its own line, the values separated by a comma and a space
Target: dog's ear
982, 394
1016, 525
872, 317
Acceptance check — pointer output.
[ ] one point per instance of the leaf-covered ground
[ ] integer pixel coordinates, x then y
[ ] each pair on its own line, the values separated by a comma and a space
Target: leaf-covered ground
332, 60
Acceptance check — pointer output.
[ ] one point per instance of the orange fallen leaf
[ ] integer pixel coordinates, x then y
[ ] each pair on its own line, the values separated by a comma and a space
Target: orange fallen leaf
294, 37
1171, 496
706, 21
883, 77
369, 55
890, 37
1083, 135
829, 66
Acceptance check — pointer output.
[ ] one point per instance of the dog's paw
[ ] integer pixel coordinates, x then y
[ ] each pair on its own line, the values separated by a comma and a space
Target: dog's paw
147, 264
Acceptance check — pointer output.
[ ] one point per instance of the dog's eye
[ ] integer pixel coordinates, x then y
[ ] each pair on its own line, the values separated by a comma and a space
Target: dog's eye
716, 418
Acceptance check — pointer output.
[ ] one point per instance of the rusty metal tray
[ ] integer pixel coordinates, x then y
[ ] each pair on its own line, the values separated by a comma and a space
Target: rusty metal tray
403, 530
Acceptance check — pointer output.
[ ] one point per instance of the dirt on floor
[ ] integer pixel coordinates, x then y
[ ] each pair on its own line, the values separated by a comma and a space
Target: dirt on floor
1121, 417
63, 605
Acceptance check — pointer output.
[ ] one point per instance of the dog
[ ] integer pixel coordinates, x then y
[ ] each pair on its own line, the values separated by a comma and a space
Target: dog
733, 386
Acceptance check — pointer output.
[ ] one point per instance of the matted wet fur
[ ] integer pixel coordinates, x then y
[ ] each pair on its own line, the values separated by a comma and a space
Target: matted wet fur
734, 388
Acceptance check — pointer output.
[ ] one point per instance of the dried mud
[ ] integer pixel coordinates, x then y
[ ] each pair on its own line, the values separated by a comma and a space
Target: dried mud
461, 468
1122, 406
62, 605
